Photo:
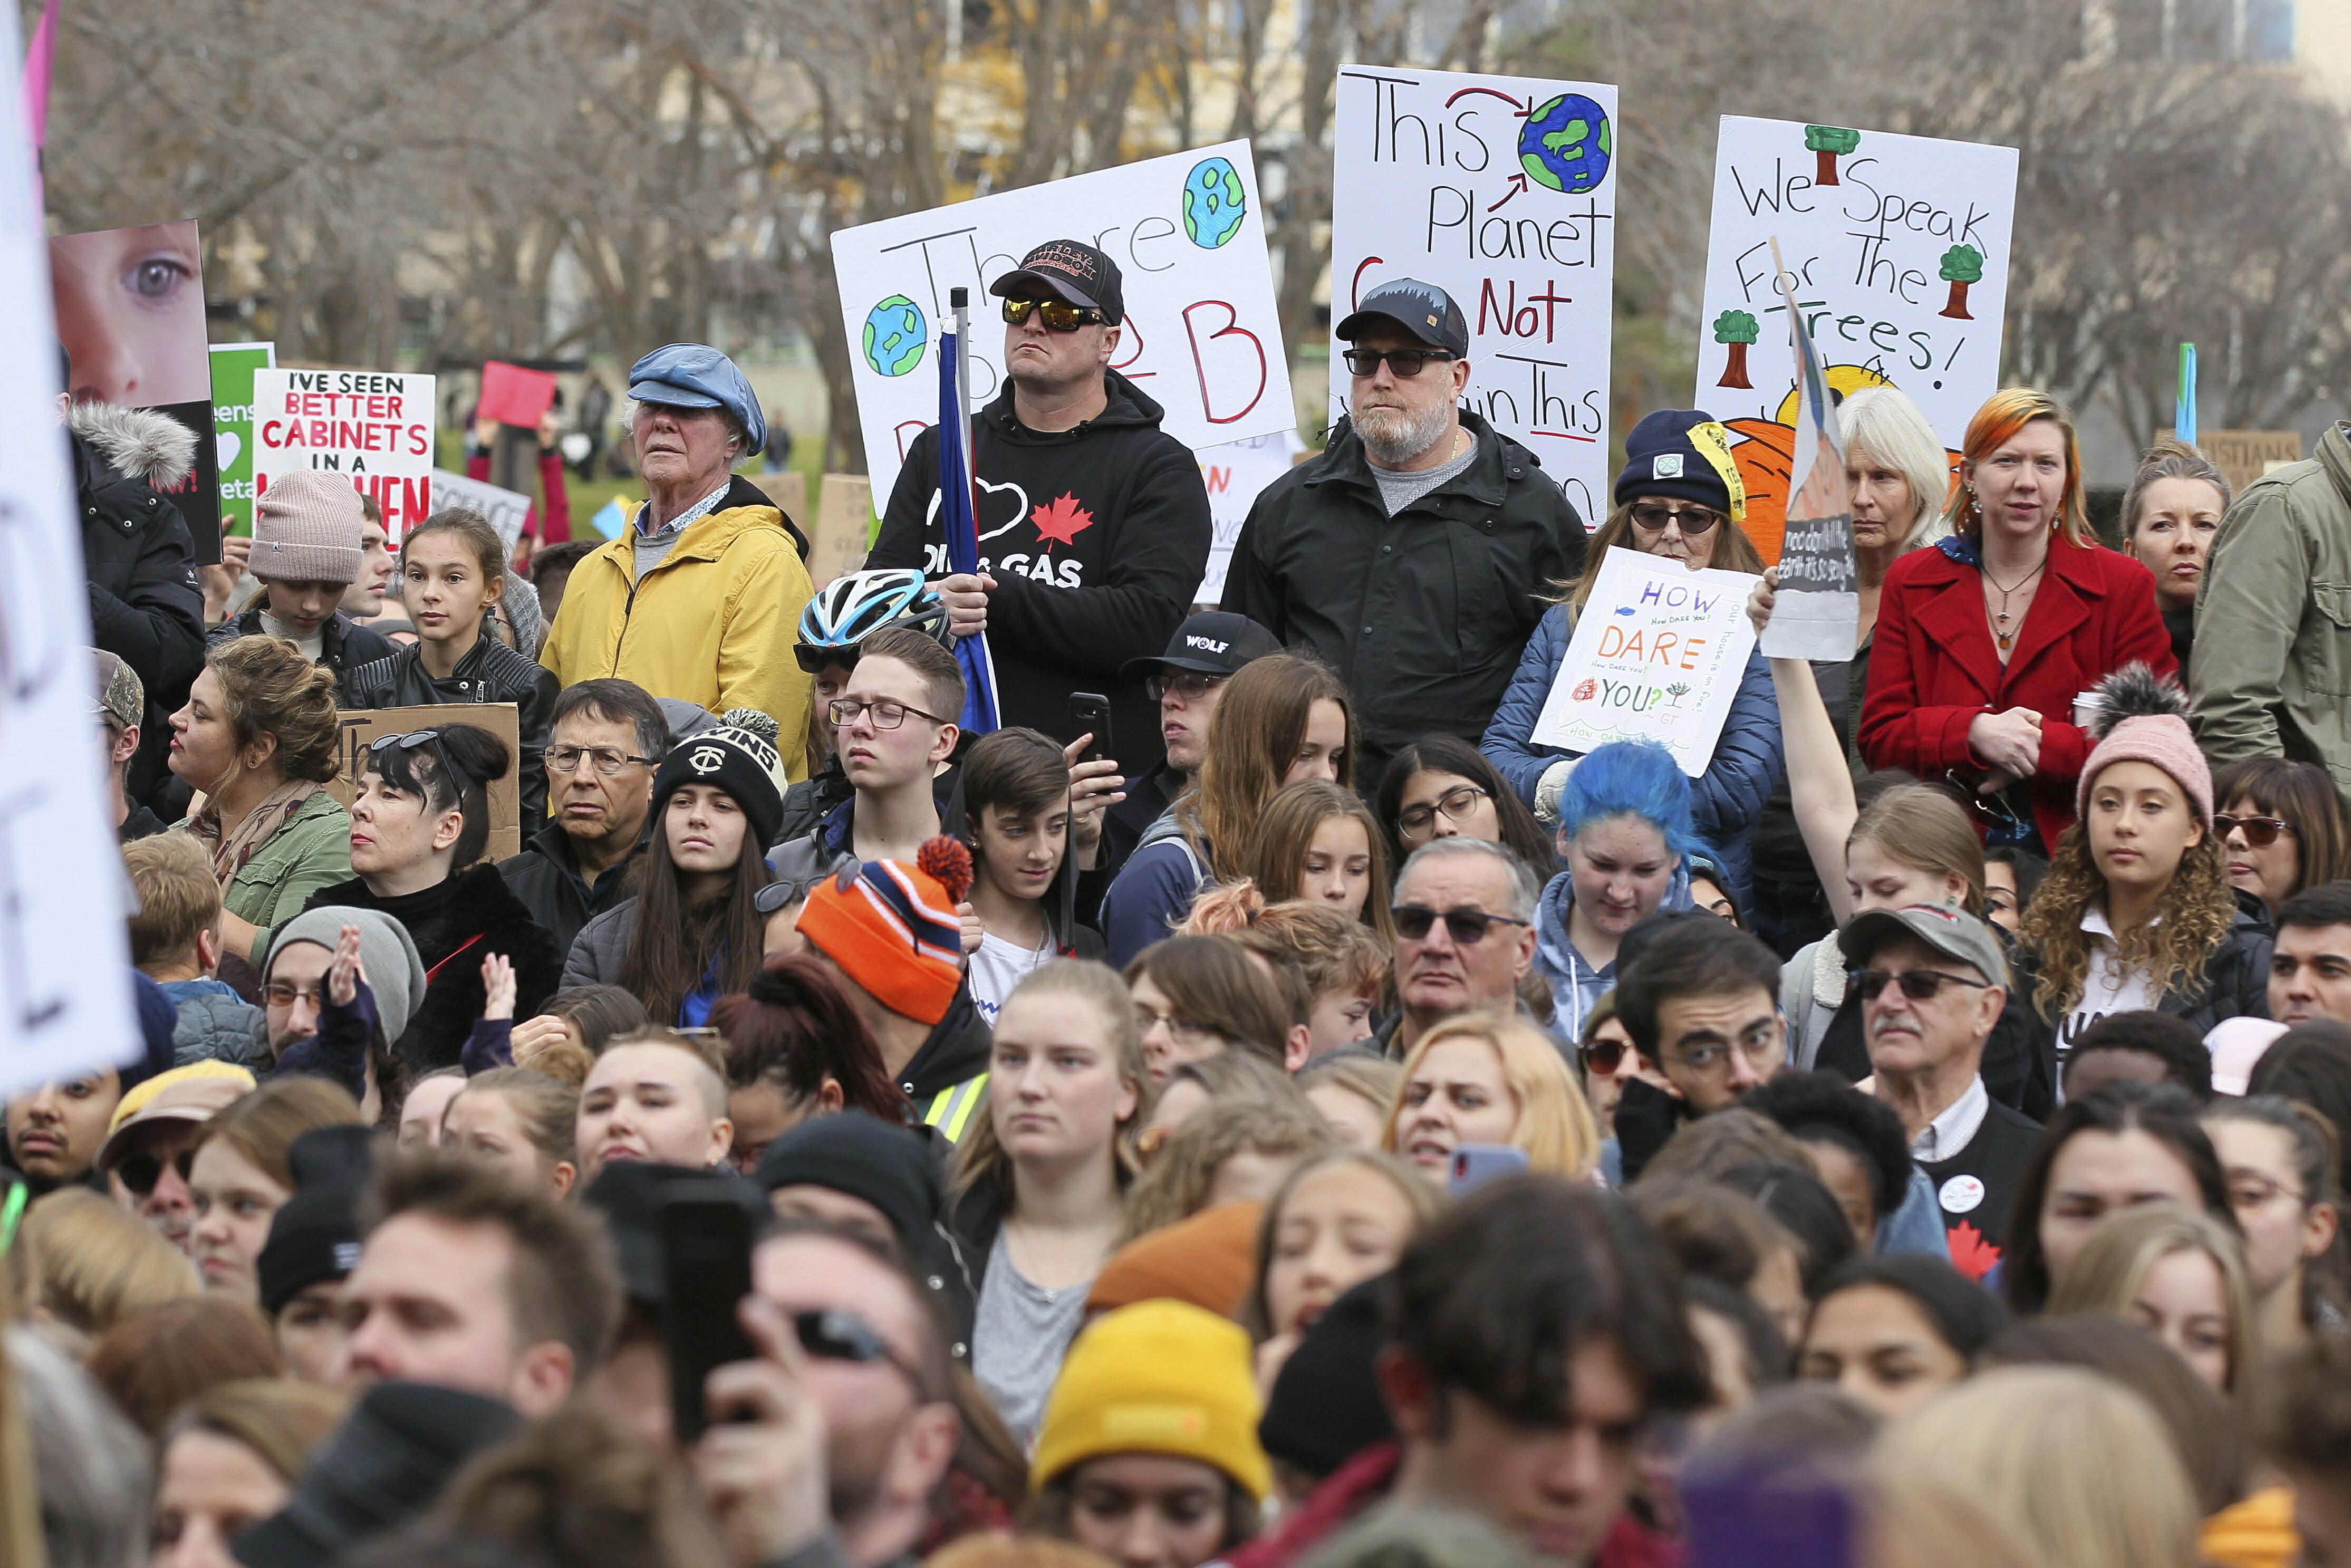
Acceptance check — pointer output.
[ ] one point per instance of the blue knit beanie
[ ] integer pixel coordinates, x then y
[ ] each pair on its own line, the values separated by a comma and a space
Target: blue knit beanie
1660, 459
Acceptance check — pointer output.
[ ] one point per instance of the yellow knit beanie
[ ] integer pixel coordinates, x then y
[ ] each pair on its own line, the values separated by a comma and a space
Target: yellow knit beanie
1158, 1377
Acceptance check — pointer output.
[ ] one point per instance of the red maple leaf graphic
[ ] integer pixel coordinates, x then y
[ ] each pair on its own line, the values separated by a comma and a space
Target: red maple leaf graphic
1970, 1254
1061, 522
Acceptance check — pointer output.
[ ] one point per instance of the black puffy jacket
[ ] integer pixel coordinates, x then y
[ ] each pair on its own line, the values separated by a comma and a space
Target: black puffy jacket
145, 604
344, 645
491, 673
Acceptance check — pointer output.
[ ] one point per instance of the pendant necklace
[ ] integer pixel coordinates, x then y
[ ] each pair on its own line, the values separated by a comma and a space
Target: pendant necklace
2002, 630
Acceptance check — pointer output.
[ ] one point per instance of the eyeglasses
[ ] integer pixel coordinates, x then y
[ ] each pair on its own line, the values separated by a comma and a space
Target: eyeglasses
285, 993
1710, 1062
846, 711
1603, 1057
142, 1171
1190, 685
2260, 832
1652, 518
1466, 926
2247, 1189
1918, 985
1183, 1031
1459, 804
606, 760
1057, 314
1404, 362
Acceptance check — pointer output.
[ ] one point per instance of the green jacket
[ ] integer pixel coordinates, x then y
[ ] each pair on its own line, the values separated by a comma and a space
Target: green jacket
312, 851
2271, 675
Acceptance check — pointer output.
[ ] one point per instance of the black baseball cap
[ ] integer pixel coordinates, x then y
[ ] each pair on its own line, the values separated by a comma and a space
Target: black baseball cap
1068, 270
1422, 309
1213, 642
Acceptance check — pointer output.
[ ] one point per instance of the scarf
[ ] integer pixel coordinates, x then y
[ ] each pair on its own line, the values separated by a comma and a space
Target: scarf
231, 850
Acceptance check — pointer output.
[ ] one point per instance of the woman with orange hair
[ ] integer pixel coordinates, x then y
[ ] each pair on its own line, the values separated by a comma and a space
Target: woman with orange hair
1984, 641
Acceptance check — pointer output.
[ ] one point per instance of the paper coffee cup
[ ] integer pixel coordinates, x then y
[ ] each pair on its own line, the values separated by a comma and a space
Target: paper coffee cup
2087, 706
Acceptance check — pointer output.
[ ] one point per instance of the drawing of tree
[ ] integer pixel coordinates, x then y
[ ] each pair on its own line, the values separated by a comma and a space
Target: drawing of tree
1828, 143
1736, 329
1677, 691
1962, 264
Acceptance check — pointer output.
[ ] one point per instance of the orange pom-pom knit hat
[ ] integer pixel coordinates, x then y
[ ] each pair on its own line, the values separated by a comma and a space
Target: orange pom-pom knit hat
893, 927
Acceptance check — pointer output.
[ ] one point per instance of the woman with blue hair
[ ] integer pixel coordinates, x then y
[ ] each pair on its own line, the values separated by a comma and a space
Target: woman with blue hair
1626, 835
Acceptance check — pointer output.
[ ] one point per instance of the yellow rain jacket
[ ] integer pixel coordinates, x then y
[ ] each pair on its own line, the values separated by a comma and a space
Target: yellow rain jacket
713, 624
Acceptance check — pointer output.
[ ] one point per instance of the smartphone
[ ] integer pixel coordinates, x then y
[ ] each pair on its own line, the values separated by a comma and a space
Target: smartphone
1090, 715
1758, 1520
705, 1273
1475, 1165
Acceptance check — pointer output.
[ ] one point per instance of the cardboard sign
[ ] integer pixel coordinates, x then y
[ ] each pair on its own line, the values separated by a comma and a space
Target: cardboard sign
362, 726
65, 1003
233, 367
844, 528
1658, 655
373, 427
2244, 455
1235, 474
1898, 250
1499, 190
513, 395
1818, 613
1201, 335
505, 509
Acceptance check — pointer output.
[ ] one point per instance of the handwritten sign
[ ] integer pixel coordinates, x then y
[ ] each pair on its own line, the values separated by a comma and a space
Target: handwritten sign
1235, 475
1658, 655
506, 510
1202, 335
234, 365
373, 427
1499, 190
2244, 455
1818, 615
362, 726
1898, 250
844, 528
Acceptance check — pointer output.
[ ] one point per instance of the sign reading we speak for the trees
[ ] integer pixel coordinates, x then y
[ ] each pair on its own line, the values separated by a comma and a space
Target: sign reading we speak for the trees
1897, 249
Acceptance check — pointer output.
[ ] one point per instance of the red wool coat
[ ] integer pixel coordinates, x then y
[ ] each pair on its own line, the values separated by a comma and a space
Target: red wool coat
1933, 667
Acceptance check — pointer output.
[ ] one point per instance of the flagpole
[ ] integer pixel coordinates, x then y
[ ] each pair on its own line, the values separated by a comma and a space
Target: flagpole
960, 301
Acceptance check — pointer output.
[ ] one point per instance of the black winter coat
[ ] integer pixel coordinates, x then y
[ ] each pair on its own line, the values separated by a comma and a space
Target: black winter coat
546, 877
344, 645
491, 673
145, 605
1423, 614
480, 917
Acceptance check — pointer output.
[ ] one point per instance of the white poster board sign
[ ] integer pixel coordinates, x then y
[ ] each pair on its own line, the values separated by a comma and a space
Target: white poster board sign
1235, 475
375, 427
1658, 655
505, 508
1202, 335
1499, 190
1898, 250
65, 975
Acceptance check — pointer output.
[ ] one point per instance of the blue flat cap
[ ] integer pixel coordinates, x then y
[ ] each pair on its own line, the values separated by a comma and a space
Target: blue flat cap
695, 375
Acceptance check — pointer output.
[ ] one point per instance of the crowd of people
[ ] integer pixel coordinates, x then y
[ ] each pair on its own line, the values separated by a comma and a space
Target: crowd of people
1312, 1122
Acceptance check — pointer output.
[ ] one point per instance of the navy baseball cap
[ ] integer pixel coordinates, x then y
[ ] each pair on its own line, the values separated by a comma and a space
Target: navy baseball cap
695, 375
1422, 309
1068, 270
1214, 642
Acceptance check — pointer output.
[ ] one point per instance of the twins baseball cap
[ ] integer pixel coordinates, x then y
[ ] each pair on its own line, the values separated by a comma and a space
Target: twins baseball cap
1423, 310
1068, 270
1214, 642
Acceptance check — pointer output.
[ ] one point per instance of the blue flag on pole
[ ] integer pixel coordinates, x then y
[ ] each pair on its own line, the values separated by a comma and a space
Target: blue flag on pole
961, 526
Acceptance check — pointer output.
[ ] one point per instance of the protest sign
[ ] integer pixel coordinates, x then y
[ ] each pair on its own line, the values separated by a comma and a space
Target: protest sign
2244, 455
513, 395
506, 510
1202, 335
373, 427
65, 996
1498, 191
1658, 655
1818, 613
1897, 249
360, 726
233, 367
1235, 474
844, 528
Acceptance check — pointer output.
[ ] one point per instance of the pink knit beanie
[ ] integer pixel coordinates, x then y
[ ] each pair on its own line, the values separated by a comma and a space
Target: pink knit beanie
2144, 719
307, 529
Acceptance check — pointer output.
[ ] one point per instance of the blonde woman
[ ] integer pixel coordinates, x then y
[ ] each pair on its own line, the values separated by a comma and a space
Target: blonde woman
1488, 1080
2076, 1466
2178, 1273
81, 1262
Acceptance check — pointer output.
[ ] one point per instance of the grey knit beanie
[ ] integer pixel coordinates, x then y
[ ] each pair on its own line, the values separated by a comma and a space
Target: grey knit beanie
394, 973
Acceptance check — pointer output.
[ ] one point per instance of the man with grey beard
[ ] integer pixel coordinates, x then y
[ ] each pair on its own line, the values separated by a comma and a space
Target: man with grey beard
1413, 554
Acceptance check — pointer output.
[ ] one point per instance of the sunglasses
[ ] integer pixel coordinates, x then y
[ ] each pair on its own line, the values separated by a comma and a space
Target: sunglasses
1466, 926
815, 658
1058, 317
842, 1336
1404, 362
1603, 1057
1990, 810
1918, 985
2260, 832
1190, 685
141, 1172
784, 891
410, 742
1652, 518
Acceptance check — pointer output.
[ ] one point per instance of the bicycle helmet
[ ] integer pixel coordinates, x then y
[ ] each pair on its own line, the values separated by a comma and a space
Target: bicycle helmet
849, 609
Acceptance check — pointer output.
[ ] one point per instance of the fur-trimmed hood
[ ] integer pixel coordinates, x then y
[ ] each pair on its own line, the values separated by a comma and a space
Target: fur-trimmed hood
136, 443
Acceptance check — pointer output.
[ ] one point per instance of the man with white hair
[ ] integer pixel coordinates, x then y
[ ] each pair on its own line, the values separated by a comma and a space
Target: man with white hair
699, 600
1465, 935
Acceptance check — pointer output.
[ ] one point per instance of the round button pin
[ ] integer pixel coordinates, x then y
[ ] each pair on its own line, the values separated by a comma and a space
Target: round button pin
1961, 1194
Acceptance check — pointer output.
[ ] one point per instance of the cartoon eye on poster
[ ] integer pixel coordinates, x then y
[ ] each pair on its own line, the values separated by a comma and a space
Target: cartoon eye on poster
131, 318
1897, 251
1499, 190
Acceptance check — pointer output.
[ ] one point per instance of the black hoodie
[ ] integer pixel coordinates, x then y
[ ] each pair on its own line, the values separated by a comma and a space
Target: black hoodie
1097, 538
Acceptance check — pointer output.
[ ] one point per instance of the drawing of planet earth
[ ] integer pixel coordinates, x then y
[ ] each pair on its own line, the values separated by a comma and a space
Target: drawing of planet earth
1565, 145
1214, 203
896, 336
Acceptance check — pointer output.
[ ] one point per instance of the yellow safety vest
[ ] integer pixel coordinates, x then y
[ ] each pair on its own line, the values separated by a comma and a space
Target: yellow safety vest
950, 1109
